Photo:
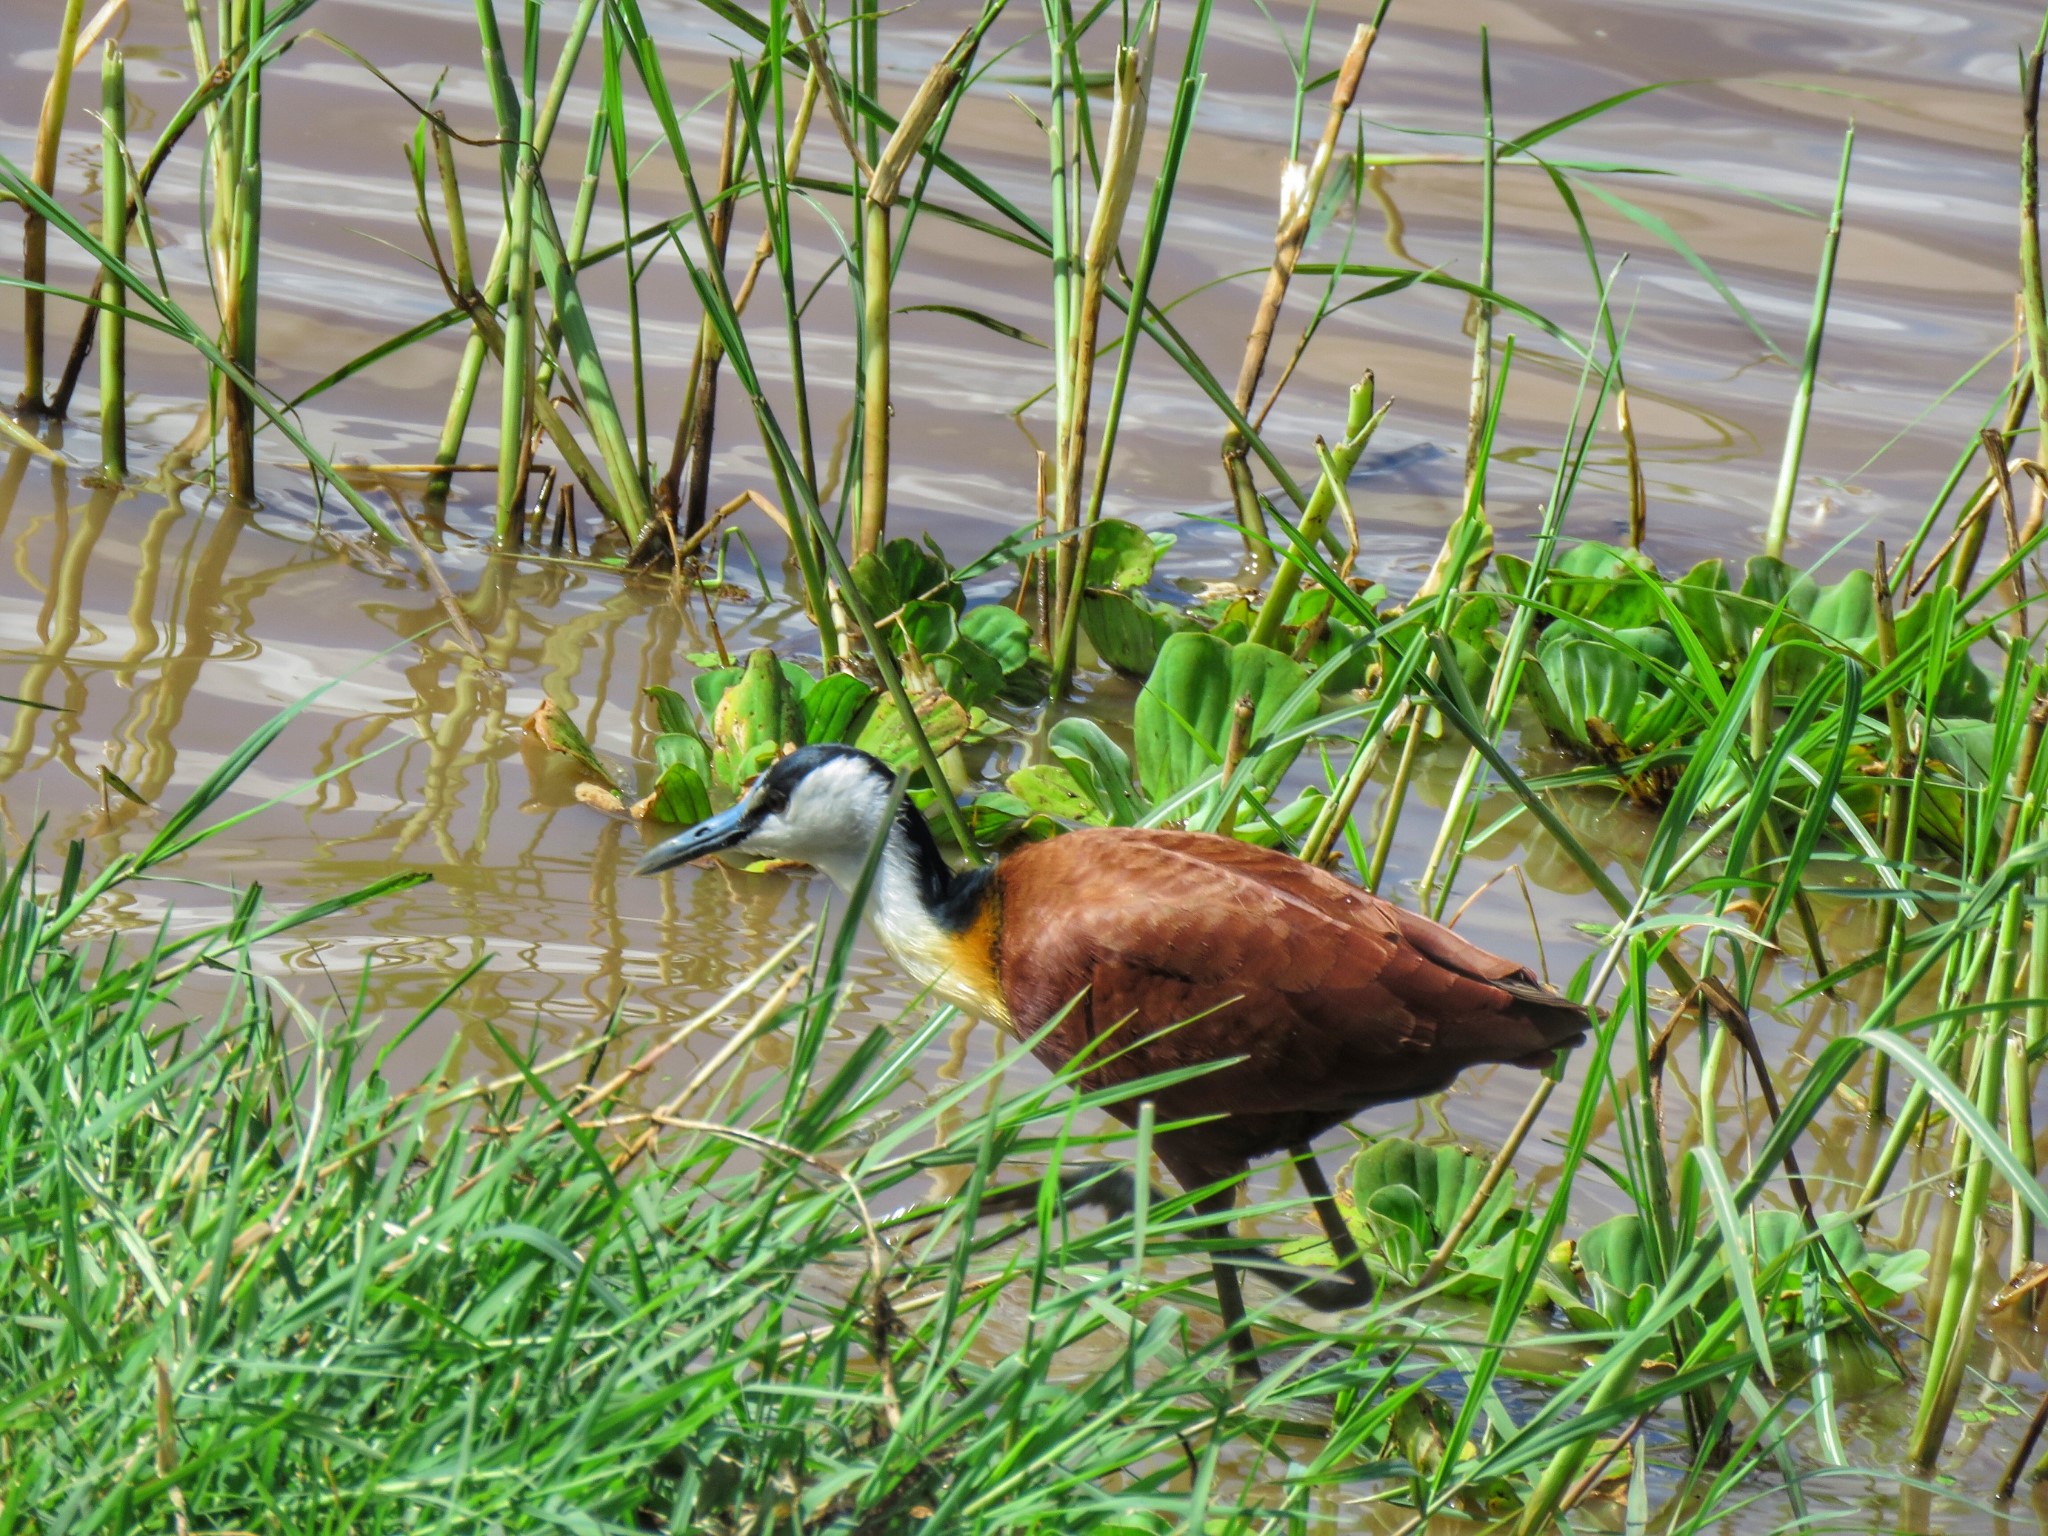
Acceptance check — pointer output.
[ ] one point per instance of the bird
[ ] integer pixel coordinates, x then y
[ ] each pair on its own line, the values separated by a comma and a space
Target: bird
1146, 951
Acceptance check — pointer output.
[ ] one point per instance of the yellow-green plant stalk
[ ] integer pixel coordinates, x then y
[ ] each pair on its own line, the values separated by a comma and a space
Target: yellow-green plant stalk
876, 255
35, 230
1954, 1325
114, 234
519, 359
1897, 806
2025, 1055
1360, 422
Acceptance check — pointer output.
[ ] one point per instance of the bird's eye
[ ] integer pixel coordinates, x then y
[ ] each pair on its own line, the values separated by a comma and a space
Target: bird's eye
774, 799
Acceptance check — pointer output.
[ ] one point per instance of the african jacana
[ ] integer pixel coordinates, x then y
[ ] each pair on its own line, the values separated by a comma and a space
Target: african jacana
1193, 948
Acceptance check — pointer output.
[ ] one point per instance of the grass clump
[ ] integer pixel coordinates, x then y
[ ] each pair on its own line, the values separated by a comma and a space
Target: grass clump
257, 1282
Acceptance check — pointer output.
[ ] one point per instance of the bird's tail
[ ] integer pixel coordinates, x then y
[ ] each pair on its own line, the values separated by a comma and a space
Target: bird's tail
1556, 1022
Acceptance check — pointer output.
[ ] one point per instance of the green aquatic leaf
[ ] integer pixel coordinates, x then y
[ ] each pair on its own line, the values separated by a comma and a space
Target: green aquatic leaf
967, 672
1049, 789
830, 709
1620, 1269
904, 571
1965, 688
1444, 1178
945, 721
1099, 766
552, 726
682, 749
930, 627
996, 816
1003, 633
1124, 555
1127, 629
710, 686
672, 711
1184, 716
1404, 1198
681, 796
1703, 596
1768, 583
1595, 581
1847, 612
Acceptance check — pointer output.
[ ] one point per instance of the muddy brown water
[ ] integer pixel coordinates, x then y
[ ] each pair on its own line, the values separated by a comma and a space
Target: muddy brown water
167, 624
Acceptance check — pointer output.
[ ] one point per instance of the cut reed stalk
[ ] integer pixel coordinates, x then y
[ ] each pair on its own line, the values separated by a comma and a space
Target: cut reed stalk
35, 230
1802, 399
1897, 806
1062, 623
1301, 189
114, 234
872, 523
199, 104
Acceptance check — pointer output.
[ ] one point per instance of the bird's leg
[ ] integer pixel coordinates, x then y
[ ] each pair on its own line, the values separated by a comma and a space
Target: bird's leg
1110, 1187
1237, 1333
1356, 1288
1351, 1286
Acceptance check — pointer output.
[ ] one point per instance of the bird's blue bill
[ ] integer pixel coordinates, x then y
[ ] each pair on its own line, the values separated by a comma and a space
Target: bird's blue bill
712, 835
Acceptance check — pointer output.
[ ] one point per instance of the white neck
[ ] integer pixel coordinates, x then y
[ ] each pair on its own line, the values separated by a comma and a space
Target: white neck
902, 919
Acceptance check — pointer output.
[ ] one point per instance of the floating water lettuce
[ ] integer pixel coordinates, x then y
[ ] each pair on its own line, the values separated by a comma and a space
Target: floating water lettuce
1125, 626
1616, 671
755, 719
553, 728
1187, 713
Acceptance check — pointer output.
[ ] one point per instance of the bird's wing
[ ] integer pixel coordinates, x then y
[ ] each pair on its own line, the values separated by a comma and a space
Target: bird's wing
1184, 948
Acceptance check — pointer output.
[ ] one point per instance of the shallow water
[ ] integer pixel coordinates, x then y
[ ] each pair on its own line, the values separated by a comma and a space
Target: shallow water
167, 625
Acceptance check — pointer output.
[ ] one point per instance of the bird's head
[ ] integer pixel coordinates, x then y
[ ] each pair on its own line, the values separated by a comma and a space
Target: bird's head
820, 805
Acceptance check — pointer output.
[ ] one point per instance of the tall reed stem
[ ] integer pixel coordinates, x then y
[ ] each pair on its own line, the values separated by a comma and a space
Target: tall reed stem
699, 423
1482, 306
2033, 305
877, 256
35, 230
237, 231
114, 235
874, 378
469, 372
1112, 199
517, 385
1949, 1345
1802, 401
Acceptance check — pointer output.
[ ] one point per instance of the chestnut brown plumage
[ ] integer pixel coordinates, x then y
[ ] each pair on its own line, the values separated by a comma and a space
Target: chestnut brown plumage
1149, 951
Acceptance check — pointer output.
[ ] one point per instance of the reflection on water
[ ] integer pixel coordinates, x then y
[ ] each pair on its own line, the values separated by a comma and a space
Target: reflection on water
164, 626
